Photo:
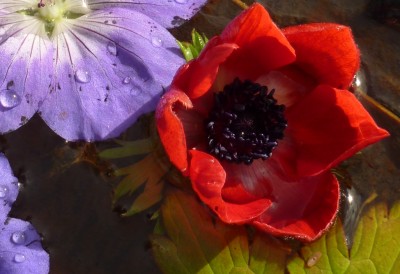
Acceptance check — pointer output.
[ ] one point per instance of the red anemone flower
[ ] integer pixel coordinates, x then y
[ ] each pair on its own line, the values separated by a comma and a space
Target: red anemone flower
261, 116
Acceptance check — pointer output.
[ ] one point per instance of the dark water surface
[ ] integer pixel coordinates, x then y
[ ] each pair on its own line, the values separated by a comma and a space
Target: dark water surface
66, 191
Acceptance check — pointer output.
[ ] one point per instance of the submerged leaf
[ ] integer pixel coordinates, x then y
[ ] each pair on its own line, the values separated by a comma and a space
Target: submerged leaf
148, 172
376, 246
267, 255
196, 243
131, 148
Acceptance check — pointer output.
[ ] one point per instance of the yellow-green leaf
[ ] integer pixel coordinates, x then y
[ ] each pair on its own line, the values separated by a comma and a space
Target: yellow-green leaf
127, 149
376, 247
195, 243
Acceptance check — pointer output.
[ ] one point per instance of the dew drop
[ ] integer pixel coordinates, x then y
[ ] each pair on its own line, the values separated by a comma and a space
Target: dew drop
313, 260
126, 80
82, 76
157, 42
9, 98
3, 191
19, 258
181, 1
112, 48
18, 238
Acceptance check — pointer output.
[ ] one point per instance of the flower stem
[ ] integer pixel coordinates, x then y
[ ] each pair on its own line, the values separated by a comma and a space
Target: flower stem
240, 4
380, 107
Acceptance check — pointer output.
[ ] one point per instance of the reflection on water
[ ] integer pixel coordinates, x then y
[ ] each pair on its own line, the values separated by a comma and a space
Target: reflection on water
70, 203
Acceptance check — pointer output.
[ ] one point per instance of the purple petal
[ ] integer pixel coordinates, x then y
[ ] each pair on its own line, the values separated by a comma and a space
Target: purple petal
25, 70
8, 188
21, 250
111, 67
169, 14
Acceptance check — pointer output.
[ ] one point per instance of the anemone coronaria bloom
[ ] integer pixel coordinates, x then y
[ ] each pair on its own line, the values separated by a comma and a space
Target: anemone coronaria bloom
261, 116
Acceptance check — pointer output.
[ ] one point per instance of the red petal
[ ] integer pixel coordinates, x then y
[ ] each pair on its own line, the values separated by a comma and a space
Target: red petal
208, 179
327, 127
303, 209
326, 51
201, 72
170, 128
262, 46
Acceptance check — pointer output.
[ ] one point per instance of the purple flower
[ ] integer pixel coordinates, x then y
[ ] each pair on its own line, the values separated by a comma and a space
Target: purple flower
20, 248
89, 68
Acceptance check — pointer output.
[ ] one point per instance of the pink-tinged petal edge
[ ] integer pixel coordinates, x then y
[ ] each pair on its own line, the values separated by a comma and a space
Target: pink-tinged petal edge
304, 210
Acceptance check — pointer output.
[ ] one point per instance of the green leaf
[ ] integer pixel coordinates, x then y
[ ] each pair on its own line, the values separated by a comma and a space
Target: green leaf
267, 255
193, 49
195, 243
187, 53
376, 247
137, 174
131, 148
151, 195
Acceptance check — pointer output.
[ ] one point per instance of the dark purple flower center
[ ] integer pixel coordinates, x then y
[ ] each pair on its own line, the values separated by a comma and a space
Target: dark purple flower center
245, 123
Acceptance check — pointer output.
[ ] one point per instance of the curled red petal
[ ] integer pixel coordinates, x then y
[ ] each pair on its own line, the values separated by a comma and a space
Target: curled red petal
326, 51
201, 72
304, 209
170, 128
208, 179
262, 45
326, 127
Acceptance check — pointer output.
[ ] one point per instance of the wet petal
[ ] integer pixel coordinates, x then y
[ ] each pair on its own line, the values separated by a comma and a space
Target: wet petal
326, 51
108, 73
8, 188
326, 127
21, 250
208, 179
169, 14
25, 70
304, 209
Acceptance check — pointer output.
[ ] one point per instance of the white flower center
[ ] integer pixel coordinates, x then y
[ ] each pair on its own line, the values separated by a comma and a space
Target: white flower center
51, 11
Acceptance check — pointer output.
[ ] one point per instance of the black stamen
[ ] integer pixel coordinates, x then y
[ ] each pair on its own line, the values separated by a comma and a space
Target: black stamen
245, 123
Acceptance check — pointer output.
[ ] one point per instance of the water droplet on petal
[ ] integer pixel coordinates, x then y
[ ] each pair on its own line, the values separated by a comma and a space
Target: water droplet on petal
112, 48
3, 191
9, 98
181, 1
19, 258
82, 76
126, 80
157, 42
18, 238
